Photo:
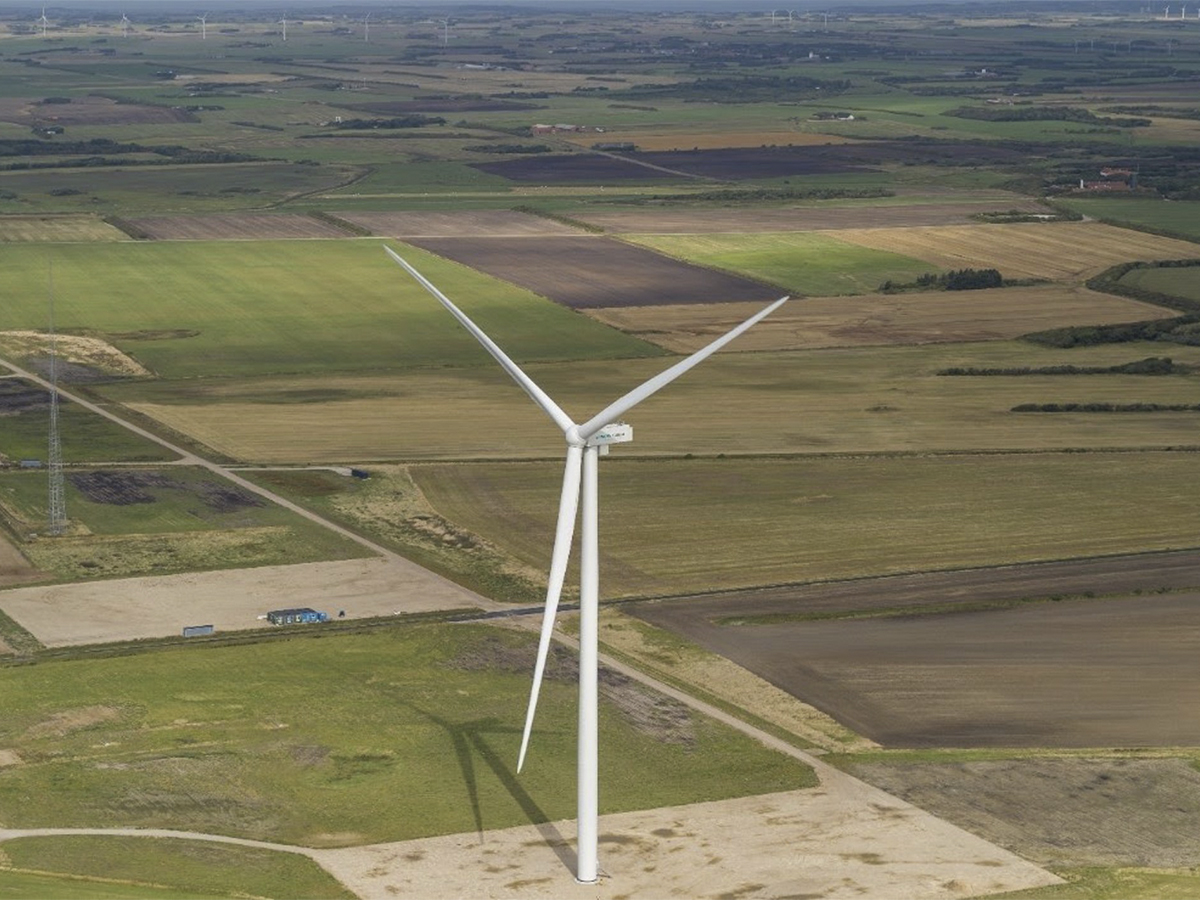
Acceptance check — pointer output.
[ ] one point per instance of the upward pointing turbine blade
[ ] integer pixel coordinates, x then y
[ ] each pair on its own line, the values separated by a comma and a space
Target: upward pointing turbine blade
619, 407
552, 409
568, 506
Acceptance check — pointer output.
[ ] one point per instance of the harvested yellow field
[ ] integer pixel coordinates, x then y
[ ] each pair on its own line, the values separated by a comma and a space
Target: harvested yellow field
58, 229
709, 140
1059, 250
878, 319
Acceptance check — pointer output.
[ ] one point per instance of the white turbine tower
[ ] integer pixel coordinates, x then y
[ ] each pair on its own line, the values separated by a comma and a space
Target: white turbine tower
44, 22
124, 25
203, 20
283, 22
367, 28
585, 442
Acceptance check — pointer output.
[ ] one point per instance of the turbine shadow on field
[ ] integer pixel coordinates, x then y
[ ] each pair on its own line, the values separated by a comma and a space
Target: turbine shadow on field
469, 742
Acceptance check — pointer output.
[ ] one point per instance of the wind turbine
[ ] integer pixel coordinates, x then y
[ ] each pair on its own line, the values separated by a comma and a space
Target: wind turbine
585, 443
367, 28
44, 22
203, 26
124, 25
283, 22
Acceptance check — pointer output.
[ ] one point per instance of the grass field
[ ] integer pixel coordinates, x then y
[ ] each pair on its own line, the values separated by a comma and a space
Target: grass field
814, 264
130, 522
335, 741
865, 399
20, 885
674, 527
1180, 217
1062, 250
159, 867
246, 308
1177, 282
85, 436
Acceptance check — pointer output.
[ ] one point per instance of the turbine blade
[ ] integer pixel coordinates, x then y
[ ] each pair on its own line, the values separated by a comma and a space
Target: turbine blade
637, 395
540, 397
568, 506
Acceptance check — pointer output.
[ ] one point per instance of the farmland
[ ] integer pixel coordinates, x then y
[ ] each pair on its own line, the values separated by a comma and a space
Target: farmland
857, 399
874, 319
208, 201
857, 515
818, 264
1060, 250
577, 271
252, 307
1175, 282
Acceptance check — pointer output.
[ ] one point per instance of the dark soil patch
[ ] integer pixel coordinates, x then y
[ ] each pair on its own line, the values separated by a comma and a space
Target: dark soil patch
595, 272
1062, 812
1072, 673
128, 488
574, 168
648, 712
738, 163
69, 372
17, 397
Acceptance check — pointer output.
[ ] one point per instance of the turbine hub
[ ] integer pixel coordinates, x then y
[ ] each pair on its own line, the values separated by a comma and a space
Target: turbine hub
574, 438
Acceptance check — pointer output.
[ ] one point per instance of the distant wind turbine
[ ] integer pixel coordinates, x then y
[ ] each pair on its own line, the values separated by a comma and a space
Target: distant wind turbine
283, 22
124, 25
44, 22
367, 28
203, 26
585, 443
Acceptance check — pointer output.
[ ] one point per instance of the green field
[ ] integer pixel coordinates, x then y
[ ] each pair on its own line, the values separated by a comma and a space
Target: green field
85, 437
156, 522
680, 526
1179, 217
342, 740
133, 868
808, 263
188, 309
1175, 282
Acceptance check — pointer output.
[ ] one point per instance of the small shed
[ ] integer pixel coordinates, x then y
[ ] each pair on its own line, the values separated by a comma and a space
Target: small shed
298, 616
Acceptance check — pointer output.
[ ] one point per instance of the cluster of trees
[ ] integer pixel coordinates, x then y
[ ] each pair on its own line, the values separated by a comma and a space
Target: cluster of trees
509, 148
1043, 114
1151, 365
1106, 407
954, 280
741, 88
413, 121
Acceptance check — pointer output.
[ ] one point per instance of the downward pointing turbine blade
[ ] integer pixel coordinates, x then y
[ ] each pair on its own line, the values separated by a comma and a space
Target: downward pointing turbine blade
618, 408
540, 397
568, 505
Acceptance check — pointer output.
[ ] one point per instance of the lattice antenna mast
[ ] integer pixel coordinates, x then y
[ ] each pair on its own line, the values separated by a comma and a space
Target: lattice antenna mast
58, 504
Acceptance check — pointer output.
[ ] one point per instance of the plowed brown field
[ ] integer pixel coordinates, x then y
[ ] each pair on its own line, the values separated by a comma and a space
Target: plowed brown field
236, 227
1074, 673
590, 272
1038, 250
